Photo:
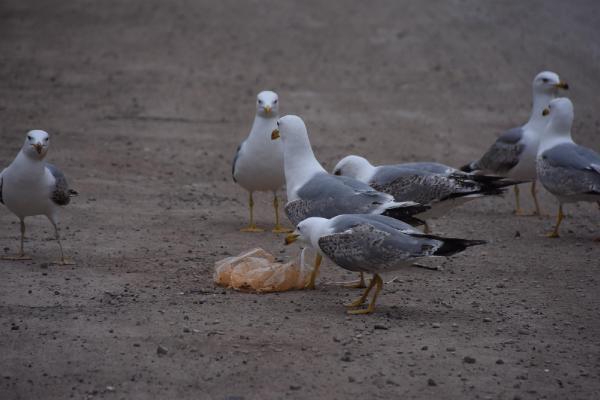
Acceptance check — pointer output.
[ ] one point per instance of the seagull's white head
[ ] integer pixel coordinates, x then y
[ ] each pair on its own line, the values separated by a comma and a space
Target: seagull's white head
547, 82
560, 113
267, 104
290, 129
309, 231
36, 144
354, 167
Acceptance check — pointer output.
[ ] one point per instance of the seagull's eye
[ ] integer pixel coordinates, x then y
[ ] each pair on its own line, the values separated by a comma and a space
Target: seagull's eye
337, 172
45, 140
259, 101
277, 123
29, 138
275, 101
545, 80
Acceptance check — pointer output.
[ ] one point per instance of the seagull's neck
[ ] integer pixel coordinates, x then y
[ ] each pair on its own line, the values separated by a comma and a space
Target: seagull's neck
366, 172
23, 161
262, 127
540, 101
553, 138
299, 162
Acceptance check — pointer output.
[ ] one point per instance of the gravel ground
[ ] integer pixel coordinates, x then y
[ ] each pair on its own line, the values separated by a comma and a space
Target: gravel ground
146, 102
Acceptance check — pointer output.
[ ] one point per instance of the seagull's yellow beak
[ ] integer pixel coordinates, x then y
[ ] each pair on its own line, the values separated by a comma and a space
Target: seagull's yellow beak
291, 238
545, 112
562, 85
275, 134
38, 147
267, 109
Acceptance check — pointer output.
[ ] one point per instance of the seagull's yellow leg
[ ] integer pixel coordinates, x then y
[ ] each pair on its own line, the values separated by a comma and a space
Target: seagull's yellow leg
278, 228
518, 210
252, 226
360, 301
22, 256
314, 273
63, 260
559, 218
379, 284
538, 210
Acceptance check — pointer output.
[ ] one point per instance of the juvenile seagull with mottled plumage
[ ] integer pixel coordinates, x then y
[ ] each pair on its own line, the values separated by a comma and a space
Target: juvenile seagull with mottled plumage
514, 153
374, 244
567, 170
438, 185
30, 186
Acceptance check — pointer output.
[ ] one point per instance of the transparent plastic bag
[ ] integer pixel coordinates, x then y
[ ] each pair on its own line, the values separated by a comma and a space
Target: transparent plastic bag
256, 270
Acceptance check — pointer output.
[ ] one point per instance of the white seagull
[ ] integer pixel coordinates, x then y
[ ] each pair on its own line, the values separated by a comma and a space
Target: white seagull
258, 161
29, 186
567, 170
514, 153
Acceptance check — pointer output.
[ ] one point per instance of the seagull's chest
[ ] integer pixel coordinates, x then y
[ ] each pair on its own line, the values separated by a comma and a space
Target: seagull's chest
260, 165
26, 194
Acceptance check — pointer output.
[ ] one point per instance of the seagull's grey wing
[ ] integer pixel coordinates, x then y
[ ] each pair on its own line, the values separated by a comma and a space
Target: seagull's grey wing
235, 158
370, 247
61, 194
327, 196
569, 169
297, 211
421, 186
504, 153
347, 221
373, 244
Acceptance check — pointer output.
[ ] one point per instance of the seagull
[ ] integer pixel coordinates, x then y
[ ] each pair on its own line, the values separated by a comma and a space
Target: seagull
313, 192
514, 153
30, 186
441, 186
372, 244
258, 161
567, 170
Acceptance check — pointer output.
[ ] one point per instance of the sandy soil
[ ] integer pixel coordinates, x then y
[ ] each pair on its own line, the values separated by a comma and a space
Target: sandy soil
146, 102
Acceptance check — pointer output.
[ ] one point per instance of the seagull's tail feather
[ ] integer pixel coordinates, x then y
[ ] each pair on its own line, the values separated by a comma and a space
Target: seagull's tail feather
452, 246
405, 211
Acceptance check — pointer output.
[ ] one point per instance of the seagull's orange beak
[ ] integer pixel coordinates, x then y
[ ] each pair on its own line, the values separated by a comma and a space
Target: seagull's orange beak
275, 134
267, 109
562, 85
291, 238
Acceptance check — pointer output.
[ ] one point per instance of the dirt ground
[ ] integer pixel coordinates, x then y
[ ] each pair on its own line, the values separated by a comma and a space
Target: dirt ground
146, 102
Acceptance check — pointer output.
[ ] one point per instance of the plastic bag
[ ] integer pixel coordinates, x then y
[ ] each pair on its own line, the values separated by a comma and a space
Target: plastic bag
256, 270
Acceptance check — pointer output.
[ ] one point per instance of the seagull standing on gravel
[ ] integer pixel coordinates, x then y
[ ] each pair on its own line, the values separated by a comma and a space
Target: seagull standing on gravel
514, 153
30, 186
373, 244
567, 170
258, 162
